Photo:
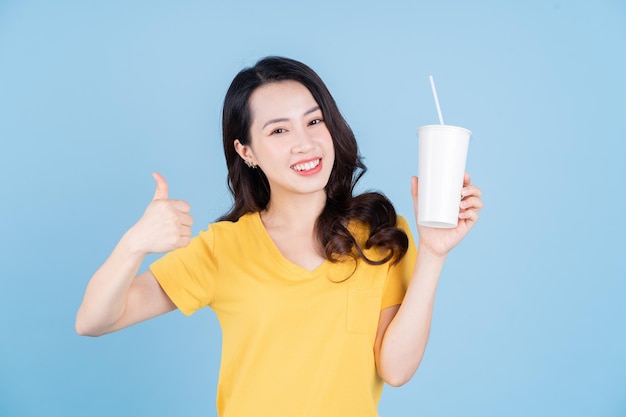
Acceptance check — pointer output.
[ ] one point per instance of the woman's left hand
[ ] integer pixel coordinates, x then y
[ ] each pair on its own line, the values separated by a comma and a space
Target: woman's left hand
441, 241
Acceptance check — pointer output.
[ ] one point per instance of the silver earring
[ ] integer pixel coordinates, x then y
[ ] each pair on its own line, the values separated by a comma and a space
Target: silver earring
250, 164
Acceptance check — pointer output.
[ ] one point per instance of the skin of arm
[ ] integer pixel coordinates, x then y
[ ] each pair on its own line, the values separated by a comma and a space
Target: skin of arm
404, 329
115, 296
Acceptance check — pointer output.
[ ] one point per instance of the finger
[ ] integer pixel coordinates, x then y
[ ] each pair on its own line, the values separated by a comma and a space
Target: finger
466, 179
471, 190
186, 220
469, 215
414, 187
161, 191
471, 203
183, 241
185, 231
181, 206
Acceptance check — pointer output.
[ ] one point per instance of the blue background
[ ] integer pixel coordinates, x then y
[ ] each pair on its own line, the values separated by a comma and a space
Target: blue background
94, 96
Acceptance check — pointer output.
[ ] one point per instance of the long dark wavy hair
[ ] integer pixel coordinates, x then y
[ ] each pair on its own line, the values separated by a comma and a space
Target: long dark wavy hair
251, 190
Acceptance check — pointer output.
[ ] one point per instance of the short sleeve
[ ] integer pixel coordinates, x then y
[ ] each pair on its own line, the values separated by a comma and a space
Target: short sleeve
399, 275
187, 275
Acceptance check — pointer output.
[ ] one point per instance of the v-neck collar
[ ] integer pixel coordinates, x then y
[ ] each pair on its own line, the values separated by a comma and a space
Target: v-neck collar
293, 270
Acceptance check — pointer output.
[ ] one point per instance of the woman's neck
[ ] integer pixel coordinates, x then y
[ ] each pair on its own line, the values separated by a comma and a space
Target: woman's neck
294, 212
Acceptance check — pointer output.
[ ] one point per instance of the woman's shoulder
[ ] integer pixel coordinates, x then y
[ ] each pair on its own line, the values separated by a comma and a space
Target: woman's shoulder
226, 233
401, 222
245, 223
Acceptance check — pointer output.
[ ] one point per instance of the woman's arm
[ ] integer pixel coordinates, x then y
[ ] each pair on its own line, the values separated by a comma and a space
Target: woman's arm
403, 330
115, 296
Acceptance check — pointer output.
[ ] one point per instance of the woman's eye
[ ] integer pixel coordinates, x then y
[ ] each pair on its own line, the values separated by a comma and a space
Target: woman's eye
278, 131
315, 121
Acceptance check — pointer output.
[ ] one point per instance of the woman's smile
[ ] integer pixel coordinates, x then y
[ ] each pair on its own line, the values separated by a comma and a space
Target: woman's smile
308, 167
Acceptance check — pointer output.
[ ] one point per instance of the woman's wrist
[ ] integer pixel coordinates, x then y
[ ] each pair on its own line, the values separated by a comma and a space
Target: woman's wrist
427, 254
131, 245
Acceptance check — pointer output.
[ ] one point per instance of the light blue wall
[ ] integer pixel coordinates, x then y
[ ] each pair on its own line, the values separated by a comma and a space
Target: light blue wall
94, 96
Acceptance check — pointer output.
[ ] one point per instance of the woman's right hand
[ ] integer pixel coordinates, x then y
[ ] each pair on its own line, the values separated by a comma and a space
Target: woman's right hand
116, 297
164, 226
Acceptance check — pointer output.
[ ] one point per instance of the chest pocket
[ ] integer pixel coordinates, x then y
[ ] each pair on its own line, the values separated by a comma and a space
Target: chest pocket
363, 310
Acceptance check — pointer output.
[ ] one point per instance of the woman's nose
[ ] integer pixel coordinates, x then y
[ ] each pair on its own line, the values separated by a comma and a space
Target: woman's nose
303, 142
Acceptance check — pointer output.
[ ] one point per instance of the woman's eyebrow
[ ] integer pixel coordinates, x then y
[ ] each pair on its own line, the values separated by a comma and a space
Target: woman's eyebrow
284, 119
311, 110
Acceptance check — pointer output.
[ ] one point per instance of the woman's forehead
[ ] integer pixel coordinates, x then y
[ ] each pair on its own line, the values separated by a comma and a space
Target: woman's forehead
278, 100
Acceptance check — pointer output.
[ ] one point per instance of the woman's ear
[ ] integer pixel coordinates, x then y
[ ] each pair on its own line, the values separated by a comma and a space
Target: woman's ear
245, 153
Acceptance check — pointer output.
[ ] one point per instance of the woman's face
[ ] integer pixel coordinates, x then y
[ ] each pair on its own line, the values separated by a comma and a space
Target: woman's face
289, 139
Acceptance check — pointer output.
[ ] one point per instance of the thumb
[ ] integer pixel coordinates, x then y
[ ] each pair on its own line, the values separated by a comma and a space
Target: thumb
414, 188
414, 192
161, 187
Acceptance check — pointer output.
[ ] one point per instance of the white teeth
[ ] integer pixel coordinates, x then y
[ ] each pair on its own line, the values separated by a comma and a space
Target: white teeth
306, 166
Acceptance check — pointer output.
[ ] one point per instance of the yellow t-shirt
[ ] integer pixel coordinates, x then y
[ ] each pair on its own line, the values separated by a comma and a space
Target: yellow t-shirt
294, 342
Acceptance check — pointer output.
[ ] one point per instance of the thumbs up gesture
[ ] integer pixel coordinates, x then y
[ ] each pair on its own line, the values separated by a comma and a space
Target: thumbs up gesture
165, 225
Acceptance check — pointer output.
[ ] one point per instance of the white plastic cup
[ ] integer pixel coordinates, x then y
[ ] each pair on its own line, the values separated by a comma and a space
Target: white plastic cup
441, 167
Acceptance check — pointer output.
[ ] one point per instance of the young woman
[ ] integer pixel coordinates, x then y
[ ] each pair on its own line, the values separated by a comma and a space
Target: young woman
321, 295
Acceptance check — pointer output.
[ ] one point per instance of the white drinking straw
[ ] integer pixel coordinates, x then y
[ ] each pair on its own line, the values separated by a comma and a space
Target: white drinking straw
432, 85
